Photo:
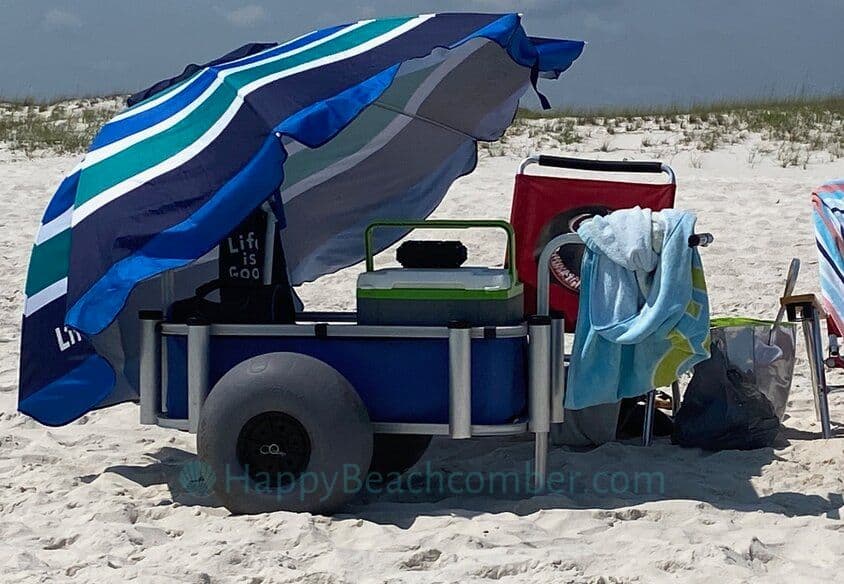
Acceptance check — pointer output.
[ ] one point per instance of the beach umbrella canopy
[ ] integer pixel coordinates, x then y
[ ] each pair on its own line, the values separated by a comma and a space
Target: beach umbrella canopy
348, 124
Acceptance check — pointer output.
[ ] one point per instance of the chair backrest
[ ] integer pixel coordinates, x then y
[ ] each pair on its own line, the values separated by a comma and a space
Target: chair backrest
827, 209
547, 206
252, 279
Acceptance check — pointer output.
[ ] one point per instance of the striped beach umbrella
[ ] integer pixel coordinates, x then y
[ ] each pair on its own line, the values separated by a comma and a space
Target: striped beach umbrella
348, 124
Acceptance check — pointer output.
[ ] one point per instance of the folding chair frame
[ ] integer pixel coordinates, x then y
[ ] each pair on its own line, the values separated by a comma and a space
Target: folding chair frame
807, 310
558, 372
543, 279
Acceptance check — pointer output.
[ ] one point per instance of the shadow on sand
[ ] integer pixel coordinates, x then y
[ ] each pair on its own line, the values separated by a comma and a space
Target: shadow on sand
609, 477
178, 469
492, 475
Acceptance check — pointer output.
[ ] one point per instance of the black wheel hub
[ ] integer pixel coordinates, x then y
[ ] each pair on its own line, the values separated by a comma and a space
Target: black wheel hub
274, 448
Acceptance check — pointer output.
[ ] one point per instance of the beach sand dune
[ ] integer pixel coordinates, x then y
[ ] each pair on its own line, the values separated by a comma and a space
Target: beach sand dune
101, 499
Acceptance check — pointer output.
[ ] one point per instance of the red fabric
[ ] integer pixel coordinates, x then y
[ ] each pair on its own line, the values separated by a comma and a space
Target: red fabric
836, 362
544, 207
832, 328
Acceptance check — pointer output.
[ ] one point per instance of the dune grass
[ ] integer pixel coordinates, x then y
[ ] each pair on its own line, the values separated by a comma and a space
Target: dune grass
820, 104
64, 127
793, 127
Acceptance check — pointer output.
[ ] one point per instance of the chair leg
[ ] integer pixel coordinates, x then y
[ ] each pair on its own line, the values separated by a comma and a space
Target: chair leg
814, 349
650, 410
675, 398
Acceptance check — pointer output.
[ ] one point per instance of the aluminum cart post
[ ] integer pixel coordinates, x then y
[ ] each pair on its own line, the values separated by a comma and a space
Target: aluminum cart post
459, 380
199, 349
539, 393
149, 367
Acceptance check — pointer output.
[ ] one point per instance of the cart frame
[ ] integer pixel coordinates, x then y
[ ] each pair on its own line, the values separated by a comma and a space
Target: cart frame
331, 325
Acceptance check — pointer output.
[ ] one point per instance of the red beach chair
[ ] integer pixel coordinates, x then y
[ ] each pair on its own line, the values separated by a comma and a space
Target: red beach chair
547, 206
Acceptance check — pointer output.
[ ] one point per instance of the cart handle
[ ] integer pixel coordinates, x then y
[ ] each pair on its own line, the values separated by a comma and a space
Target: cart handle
637, 166
447, 224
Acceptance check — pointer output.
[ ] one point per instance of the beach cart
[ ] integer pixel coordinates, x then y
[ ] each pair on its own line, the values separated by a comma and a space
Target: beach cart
431, 351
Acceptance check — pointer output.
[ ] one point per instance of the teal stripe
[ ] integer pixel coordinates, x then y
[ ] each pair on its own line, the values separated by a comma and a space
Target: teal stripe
338, 45
48, 263
165, 92
156, 149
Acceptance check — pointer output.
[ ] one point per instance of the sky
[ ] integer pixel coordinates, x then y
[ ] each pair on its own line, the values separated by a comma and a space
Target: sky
639, 52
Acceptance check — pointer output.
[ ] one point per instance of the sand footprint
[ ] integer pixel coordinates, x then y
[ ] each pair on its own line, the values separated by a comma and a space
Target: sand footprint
421, 560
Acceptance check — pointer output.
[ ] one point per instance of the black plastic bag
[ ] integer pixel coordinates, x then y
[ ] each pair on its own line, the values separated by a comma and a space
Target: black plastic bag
724, 410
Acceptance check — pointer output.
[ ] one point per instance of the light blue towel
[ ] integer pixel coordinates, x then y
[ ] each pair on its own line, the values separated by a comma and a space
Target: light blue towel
643, 317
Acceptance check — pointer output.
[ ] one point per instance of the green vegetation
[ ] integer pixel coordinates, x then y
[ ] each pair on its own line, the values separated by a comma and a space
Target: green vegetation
775, 108
65, 127
789, 131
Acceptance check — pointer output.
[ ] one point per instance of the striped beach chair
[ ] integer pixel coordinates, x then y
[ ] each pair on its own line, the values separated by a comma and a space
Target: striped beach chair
828, 220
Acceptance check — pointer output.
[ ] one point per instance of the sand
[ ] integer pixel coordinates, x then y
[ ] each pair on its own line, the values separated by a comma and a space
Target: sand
100, 500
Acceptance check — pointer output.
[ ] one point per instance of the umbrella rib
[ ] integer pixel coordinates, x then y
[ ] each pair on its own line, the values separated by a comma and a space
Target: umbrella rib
427, 120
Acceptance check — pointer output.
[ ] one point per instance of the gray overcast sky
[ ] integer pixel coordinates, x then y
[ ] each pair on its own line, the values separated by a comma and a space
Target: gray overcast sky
639, 52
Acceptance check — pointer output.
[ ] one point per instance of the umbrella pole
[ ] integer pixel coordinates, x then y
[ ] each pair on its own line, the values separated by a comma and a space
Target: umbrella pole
275, 265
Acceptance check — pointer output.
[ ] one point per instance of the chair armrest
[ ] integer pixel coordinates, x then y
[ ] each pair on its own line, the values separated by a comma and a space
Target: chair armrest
802, 307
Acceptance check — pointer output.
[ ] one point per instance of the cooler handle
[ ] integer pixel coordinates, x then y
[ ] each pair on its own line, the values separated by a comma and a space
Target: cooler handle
446, 224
